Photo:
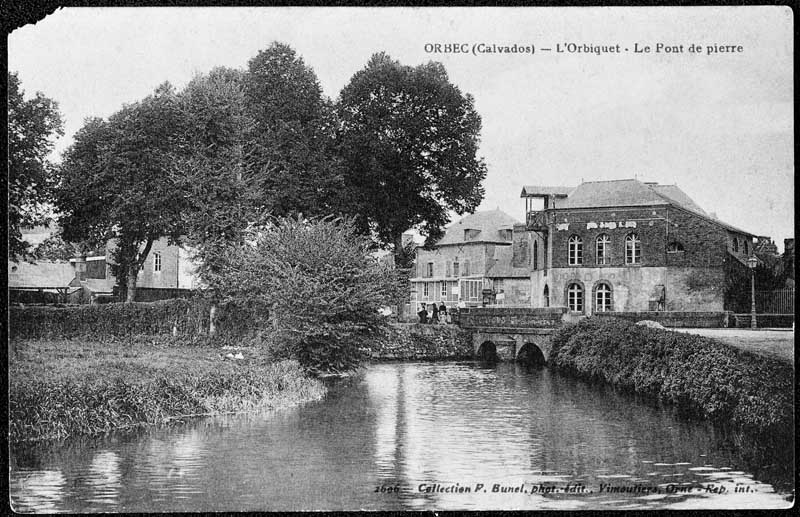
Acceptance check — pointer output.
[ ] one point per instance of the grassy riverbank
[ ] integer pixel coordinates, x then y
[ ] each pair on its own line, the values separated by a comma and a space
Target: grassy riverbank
752, 392
60, 388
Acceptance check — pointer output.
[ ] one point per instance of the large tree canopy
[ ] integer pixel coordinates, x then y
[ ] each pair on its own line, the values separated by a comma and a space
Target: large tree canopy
31, 125
409, 140
115, 181
293, 142
215, 179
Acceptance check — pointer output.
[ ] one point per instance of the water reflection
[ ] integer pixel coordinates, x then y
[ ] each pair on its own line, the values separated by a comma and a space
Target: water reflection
431, 430
39, 491
105, 478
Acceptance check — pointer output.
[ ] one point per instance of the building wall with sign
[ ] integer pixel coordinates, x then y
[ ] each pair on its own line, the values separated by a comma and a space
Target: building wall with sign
679, 262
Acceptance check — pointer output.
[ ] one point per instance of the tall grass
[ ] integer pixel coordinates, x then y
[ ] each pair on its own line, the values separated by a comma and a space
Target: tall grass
92, 394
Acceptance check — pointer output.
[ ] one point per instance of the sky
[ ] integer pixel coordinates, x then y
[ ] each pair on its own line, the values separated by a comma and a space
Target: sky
719, 125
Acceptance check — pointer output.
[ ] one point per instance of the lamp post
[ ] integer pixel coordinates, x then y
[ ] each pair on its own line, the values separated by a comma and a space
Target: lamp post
752, 262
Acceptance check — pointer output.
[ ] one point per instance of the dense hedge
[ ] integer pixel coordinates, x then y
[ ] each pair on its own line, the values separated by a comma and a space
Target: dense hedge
719, 381
48, 408
184, 317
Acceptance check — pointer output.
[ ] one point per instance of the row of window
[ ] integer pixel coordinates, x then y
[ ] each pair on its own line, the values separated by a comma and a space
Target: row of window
603, 300
633, 250
465, 290
452, 269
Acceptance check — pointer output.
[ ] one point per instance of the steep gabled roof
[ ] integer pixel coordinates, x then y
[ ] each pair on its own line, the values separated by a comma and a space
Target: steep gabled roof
631, 192
600, 194
677, 196
487, 223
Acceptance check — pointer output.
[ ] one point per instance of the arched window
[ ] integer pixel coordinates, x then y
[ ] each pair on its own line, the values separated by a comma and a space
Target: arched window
602, 249
575, 297
633, 249
575, 251
546, 296
736, 244
535, 255
602, 298
674, 247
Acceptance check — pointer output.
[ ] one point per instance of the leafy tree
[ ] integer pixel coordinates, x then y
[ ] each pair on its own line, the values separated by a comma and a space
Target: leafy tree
222, 192
292, 145
321, 283
737, 289
786, 265
214, 176
409, 139
259, 141
31, 125
115, 185
55, 248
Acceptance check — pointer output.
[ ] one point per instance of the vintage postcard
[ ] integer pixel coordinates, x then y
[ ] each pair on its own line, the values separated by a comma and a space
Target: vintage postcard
401, 258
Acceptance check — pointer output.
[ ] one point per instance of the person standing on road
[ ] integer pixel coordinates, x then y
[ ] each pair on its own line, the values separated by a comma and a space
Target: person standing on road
423, 314
443, 316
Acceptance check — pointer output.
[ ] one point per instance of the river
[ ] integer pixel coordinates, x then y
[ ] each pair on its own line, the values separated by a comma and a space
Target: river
406, 436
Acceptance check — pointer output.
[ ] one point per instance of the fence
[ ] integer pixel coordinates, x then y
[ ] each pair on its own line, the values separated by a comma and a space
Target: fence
780, 301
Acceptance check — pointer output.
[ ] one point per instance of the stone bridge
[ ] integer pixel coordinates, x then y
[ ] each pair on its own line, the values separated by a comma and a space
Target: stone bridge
512, 334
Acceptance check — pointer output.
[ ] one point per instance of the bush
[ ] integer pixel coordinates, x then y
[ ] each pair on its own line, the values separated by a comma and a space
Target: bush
322, 285
719, 381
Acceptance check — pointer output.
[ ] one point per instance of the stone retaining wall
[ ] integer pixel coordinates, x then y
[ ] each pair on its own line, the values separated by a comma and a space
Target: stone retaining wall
416, 341
678, 319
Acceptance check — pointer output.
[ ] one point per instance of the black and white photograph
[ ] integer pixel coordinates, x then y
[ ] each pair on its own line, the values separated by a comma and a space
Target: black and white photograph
269, 259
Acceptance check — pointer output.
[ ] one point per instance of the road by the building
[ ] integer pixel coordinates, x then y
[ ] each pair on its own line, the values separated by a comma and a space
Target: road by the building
771, 342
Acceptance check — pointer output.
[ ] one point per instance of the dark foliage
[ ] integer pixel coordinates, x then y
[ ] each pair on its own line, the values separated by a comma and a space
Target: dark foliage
31, 125
725, 384
322, 285
114, 182
409, 140
186, 319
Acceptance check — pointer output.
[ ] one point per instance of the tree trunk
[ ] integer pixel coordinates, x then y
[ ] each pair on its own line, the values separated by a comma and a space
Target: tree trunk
131, 287
399, 250
133, 271
212, 320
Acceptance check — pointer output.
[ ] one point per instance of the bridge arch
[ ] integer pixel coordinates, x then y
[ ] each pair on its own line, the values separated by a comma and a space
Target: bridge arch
487, 351
530, 353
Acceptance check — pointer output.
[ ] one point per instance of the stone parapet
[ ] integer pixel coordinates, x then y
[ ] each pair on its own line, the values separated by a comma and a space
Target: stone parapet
680, 319
516, 318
